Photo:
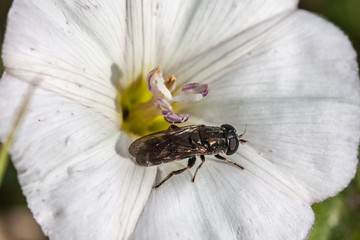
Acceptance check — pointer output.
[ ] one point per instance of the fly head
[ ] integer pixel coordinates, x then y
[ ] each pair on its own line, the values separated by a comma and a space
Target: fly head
231, 138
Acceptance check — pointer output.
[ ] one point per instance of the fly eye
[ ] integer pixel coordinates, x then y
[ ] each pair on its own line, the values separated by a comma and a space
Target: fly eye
232, 138
233, 146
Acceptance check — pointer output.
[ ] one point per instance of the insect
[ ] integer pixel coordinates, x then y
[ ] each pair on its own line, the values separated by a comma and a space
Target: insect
177, 143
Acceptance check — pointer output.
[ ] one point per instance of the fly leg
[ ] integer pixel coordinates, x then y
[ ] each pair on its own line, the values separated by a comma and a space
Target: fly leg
202, 157
227, 160
191, 163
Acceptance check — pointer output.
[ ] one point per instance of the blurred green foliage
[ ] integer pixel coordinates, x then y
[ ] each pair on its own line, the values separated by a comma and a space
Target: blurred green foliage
337, 217
343, 13
4, 158
10, 193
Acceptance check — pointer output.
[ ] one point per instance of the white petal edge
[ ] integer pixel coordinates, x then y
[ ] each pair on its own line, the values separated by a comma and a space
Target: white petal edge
298, 94
75, 49
314, 141
295, 55
75, 182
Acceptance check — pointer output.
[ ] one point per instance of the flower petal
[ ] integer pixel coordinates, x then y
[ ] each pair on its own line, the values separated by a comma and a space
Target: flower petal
74, 48
263, 204
166, 32
286, 57
315, 141
76, 183
41, 47
296, 87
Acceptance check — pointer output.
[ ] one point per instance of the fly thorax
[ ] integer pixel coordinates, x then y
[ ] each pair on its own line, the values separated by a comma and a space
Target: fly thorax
213, 139
216, 144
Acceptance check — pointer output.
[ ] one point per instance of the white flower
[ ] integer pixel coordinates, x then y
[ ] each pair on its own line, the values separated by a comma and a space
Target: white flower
289, 76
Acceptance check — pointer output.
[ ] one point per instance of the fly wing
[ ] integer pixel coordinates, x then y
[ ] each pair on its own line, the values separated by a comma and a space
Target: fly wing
166, 146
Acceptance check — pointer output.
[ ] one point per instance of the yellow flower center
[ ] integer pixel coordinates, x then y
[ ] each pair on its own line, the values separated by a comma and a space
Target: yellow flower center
140, 114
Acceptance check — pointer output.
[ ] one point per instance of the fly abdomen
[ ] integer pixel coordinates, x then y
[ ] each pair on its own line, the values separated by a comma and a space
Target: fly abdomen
146, 160
196, 139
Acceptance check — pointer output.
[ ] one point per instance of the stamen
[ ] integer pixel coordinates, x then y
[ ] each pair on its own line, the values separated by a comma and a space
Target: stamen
156, 73
196, 88
160, 83
163, 104
161, 89
175, 118
141, 112
170, 83
187, 98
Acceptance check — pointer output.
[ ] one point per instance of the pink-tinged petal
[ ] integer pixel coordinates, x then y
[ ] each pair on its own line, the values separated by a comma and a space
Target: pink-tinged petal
175, 118
196, 88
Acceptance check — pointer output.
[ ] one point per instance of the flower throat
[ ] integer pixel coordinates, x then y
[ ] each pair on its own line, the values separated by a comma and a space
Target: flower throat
147, 105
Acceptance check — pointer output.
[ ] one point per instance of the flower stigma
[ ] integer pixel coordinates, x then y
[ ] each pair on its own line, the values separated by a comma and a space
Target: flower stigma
148, 104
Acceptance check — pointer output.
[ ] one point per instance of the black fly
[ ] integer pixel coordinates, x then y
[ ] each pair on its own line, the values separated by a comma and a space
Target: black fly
177, 143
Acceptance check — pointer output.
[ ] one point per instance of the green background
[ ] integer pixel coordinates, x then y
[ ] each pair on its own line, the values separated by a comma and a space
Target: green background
337, 217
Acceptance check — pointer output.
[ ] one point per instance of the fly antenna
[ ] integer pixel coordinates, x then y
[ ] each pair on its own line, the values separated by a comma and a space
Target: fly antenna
242, 141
